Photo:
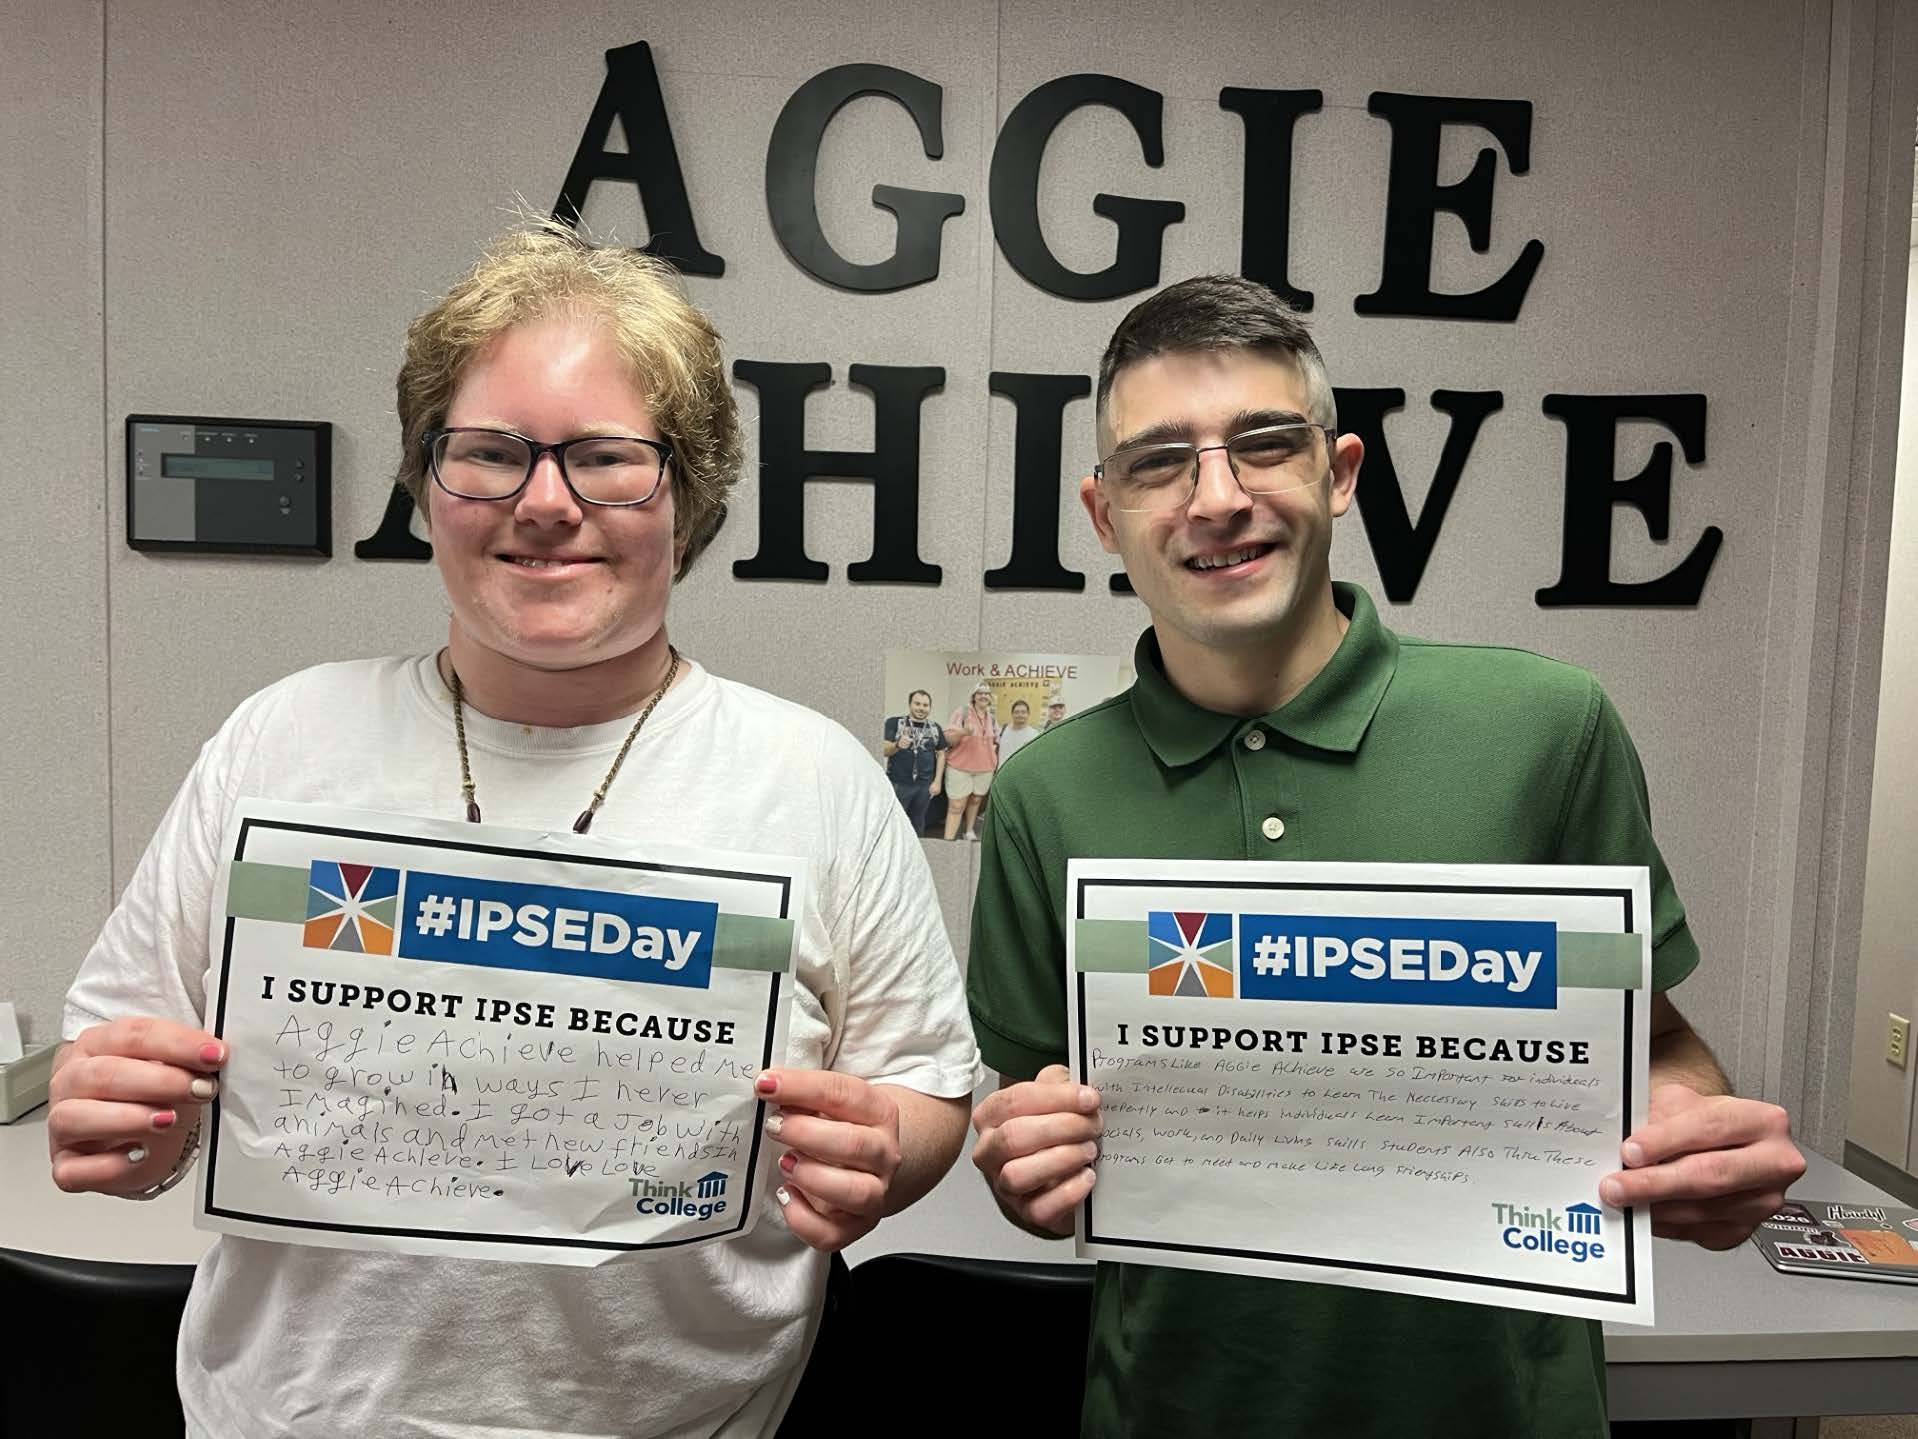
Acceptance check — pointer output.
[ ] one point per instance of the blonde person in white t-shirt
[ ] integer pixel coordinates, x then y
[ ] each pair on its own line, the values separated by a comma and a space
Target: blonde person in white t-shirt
570, 437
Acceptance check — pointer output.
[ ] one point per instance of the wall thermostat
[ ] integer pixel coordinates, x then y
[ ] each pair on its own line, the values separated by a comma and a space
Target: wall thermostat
237, 487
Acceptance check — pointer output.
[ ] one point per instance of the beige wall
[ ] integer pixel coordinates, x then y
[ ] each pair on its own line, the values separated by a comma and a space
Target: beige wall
56, 816
1882, 1116
234, 210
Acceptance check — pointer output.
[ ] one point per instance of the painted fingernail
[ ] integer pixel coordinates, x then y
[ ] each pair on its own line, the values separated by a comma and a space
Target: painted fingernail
1634, 1153
783, 1195
212, 1053
788, 1162
164, 1119
1611, 1191
775, 1123
203, 1088
137, 1154
766, 1084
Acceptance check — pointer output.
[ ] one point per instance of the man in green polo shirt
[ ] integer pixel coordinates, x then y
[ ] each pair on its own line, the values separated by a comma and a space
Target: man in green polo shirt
1274, 717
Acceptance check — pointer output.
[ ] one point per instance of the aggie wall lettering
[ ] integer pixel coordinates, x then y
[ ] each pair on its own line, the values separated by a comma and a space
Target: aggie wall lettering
1402, 544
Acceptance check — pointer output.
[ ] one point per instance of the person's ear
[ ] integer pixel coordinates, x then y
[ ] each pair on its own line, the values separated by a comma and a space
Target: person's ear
1348, 453
1092, 496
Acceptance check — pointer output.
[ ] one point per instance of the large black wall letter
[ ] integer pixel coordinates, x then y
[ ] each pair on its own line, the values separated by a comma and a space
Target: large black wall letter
631, 93
891, 467
1265, 222
1014, 187
1040, 401
1414, 197
1401, 548
394, 539
792, 163
1591, 492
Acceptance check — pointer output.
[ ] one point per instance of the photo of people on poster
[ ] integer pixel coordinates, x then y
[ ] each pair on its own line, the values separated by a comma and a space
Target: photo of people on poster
915, 753
954, 718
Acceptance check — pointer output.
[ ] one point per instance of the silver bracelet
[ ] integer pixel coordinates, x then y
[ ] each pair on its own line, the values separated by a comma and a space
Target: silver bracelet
188, 1154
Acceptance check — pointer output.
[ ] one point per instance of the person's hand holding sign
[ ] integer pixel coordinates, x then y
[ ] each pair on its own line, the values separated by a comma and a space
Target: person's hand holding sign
1712, 1166
1037, 1142
847, 1166
125, 1096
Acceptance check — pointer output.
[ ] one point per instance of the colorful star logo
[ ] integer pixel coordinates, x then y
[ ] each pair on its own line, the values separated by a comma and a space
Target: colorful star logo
1191, 953
351, 907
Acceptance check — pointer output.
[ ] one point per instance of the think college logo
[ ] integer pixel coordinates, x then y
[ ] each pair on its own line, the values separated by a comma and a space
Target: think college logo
1191, 953
704, 1198
1543, 1231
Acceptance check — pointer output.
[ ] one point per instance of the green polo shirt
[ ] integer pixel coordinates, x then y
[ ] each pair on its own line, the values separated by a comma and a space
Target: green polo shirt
1399, 750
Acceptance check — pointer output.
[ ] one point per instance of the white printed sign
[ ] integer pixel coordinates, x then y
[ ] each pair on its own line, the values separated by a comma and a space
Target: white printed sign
1397, 1077
452, 1039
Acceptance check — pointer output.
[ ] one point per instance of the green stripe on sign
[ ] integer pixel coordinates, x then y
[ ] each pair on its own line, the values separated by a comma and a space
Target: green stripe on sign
266, 891
753, 941
1589, 960
1111, 946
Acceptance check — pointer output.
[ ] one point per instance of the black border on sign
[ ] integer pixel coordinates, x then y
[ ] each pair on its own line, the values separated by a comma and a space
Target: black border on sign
784, 885
1624, 896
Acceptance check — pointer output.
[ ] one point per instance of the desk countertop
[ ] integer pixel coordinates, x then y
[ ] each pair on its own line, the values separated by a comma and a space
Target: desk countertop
1735, 1306
36, 1217
1711, 1307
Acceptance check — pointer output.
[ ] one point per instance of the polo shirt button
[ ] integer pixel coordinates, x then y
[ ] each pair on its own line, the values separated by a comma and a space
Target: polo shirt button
1273, 828
1255, 739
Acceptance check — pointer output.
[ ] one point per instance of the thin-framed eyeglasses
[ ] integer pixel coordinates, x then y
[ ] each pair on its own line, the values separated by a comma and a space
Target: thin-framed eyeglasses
480, 464
1266, 461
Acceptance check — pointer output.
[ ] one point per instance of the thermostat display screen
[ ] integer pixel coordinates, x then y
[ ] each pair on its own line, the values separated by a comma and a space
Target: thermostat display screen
214, 467
229, 486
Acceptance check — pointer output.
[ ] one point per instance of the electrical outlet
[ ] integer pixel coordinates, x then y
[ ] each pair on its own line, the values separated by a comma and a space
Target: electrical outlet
1897, 1040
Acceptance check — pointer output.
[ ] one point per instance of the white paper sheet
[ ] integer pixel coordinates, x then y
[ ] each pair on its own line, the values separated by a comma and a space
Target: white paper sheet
1398, 1077
491, 1043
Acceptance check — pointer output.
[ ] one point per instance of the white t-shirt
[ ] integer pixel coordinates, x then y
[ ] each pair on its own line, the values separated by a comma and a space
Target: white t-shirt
1014, 738
287, 1339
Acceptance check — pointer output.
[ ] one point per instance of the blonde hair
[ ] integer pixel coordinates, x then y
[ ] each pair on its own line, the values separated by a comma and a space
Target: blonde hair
671, 352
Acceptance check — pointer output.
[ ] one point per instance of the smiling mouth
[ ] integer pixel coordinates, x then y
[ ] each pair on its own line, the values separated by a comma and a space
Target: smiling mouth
548, 562
1229, 559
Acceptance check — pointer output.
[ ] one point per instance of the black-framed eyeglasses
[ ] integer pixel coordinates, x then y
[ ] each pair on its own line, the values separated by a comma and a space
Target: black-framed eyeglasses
476, 464
1267, 461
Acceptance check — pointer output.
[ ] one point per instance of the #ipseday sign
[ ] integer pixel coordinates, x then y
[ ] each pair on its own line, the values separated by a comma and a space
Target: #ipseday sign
1395, 1077
490, 1043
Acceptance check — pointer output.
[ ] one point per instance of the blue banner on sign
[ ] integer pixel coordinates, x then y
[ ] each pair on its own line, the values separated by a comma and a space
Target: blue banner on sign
1493, 963
556, 930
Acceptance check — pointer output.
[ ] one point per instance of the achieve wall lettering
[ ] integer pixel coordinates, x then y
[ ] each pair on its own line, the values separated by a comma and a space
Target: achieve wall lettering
1402, 544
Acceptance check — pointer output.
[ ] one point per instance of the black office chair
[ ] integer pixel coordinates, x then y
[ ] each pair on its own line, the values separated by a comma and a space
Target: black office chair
92, 1347
905, 1335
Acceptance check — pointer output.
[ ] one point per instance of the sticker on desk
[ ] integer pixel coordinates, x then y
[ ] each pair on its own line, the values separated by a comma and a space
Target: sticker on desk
482, 1042
1843, 1240
1394, 1077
